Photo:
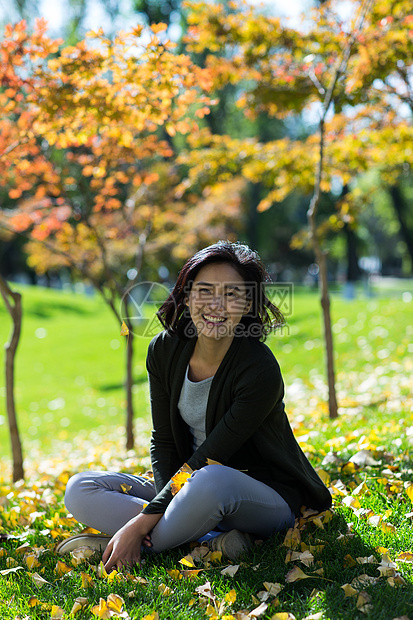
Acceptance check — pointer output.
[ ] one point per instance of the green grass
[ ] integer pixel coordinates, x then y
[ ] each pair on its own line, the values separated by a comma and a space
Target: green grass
79, 359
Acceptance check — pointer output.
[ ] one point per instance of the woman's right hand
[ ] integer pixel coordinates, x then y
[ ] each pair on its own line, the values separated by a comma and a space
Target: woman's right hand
124, 548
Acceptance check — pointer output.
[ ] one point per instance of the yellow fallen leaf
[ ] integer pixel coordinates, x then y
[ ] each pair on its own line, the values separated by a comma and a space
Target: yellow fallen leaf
38, 580
115, 603
33, 601
101, 610
165, 590
216, 556
24, 548
230, 570
351, 502
153, 616
212, 462
32, 561
81, 554
231, 597
62, 568
175, 574
211, 612
11, 563
397, 580
388, 528
124, 329
292, 539
363, 602
101, 571
87, 581
258, 611
125, 488
349, 561
78, 605
57, 613
405, 556
191, 574
283, 615
273, 588
179, 479
349, 590
362, 489
187, 561
295, 574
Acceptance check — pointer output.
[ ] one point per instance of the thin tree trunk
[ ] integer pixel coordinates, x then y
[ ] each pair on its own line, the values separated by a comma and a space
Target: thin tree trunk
321, 259
399, 208
12, 300
130, 439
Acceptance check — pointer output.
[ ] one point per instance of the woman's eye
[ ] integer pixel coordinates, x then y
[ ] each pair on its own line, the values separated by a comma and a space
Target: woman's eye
204, 291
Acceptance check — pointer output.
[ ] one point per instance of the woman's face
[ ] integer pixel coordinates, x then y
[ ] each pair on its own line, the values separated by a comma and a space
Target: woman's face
217, 301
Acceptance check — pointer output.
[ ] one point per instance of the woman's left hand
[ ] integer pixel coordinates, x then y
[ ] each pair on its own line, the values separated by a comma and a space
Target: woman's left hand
124, 548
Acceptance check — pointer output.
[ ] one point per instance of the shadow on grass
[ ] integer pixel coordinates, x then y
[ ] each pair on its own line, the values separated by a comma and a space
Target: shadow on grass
338, 559
43, 311
108, 387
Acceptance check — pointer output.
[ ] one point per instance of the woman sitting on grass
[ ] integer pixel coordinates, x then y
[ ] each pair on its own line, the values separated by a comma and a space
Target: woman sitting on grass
216, 394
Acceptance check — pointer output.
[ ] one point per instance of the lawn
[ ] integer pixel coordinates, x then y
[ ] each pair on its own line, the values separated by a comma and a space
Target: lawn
355, 562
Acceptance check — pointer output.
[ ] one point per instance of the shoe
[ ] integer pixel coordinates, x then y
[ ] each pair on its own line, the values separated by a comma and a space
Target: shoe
97, 542
231, 544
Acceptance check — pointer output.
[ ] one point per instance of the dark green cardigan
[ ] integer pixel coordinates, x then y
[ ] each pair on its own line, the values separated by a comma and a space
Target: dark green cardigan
246, 425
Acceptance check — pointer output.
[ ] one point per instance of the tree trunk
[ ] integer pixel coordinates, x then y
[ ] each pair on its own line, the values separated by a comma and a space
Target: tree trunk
323, 279
328, 334
399, 208
353, 269
13, 304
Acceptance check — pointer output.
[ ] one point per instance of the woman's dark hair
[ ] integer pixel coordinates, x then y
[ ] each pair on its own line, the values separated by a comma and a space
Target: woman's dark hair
263, 315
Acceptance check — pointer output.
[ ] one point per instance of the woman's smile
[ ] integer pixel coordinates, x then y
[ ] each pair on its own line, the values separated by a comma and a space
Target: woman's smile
217, 301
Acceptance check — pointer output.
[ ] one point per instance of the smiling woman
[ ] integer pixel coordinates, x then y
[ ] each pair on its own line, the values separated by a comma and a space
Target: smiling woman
217, 409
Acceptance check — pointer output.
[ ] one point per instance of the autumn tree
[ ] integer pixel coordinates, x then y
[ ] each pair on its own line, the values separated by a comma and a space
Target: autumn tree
343, 69
92, 116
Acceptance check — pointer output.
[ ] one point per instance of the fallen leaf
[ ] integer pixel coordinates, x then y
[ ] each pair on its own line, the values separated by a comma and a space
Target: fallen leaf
38, 580
174, 573
295, 574
124, 330
231, 597
292, 538
78, 605
115, 603
57, 613
349, 590
273, 588
165, 590
179, 479
230, 570
363, 602
87, 581
33, 601
258, 611
8, 571
188, 560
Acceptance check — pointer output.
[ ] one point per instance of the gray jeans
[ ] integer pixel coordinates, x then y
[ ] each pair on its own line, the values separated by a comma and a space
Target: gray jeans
215, 497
